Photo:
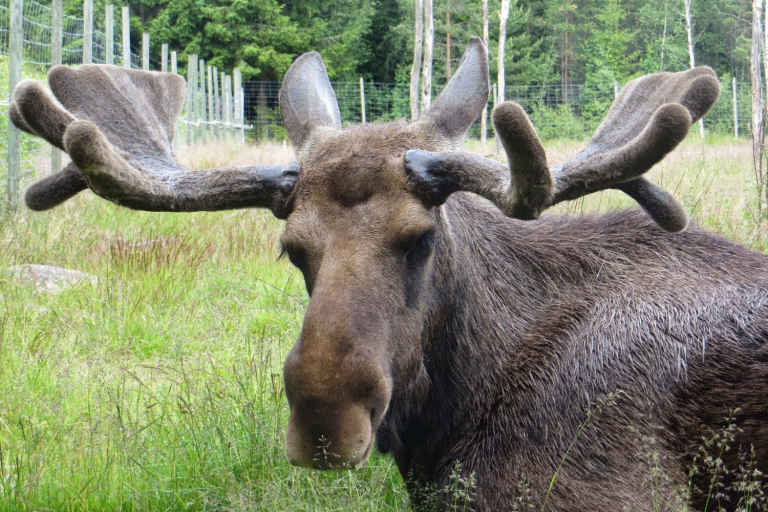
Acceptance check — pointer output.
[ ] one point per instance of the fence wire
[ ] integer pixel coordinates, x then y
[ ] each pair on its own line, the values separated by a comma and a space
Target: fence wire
557, 112
572, 112
36, 61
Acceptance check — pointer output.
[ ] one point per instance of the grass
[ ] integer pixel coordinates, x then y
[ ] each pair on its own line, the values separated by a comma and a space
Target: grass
160, 388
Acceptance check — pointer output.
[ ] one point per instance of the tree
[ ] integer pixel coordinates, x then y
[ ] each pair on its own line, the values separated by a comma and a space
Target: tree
416, 69
426, 72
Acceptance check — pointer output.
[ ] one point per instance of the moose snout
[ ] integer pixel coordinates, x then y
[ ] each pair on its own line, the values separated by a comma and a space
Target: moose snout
335, 411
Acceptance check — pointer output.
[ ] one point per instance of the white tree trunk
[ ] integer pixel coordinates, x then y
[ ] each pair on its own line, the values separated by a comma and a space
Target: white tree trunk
758, 119
429, 39
416, 69
503, 16
484, 118
691, 54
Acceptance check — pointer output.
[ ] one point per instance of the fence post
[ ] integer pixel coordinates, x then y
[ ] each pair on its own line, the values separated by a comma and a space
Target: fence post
174, 70
126, 37
87, 31
735, 110
227, 103
57, 17
191, 67
496, 141
145, 51
216, 104
14, 77
362, 98
238, 94
109, 44
202, 103
212, 125
615, 89
164, 58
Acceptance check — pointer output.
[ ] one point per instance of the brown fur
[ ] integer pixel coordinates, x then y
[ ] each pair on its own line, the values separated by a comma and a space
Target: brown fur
496, 345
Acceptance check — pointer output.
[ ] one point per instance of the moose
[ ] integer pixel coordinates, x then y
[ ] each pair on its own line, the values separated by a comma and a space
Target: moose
449, 323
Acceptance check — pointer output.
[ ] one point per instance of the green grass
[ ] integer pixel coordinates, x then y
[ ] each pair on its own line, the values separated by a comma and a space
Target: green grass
160, 388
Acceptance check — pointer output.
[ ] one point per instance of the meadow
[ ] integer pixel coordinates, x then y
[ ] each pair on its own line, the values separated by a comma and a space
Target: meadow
159, 385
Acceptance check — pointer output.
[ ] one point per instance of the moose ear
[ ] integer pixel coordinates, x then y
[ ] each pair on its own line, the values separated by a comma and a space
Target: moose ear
465, 96
307, 100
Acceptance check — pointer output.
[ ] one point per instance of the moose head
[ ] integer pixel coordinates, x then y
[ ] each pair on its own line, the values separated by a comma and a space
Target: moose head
365, 224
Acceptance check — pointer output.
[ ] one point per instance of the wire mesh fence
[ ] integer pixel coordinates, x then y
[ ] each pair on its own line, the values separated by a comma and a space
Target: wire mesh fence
557, 112
36, 60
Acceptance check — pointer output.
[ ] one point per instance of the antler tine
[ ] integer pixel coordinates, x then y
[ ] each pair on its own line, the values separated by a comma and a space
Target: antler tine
117, 126
651, 116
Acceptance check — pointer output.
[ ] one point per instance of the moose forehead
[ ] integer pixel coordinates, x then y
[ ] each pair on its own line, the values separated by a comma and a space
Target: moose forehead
358, 175
351, 166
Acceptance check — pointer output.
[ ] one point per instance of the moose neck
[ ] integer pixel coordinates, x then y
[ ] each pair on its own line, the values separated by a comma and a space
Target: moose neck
492, 282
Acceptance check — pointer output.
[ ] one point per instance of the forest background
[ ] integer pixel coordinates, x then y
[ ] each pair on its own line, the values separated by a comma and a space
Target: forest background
548, 41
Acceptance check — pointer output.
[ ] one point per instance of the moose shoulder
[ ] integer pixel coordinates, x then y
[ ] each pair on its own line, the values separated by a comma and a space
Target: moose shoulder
450, 329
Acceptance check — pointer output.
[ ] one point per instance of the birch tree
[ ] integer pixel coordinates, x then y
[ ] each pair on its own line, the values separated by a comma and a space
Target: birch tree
484, 118
429, 40
691, 54
758, 119
416, 69
503, 16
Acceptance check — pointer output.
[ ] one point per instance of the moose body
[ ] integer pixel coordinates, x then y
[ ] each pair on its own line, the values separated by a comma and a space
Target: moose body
535, 323
574, 362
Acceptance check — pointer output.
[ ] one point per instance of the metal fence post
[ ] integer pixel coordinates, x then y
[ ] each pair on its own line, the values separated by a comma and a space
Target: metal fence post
126, 37
57, 17
14, 77
362, 98
145, 51
164, 58
87, 31
735, 110
110, 34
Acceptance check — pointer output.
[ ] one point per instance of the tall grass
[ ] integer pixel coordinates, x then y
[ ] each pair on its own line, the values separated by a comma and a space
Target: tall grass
160, 387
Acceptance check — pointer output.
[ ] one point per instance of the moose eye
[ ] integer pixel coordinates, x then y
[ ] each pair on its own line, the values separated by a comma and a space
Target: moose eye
418, 249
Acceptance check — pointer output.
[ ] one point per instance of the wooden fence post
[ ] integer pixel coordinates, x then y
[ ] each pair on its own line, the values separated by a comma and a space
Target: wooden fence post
191, 66
145, 51
212, 125
735, 110
126, 37
202, 103
87, 31
57, 17
174, 63
362, 98
164, 58
216, 104
238, 94
109, 44
14, 77
227, 104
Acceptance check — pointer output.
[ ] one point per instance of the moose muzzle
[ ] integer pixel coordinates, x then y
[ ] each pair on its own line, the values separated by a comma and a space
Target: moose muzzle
338, 389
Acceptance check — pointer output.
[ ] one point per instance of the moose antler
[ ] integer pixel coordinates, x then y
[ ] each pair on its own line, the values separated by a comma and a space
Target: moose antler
650, 117
117, 126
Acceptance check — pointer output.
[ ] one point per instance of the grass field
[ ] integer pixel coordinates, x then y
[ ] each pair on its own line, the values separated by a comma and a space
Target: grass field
160, 386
